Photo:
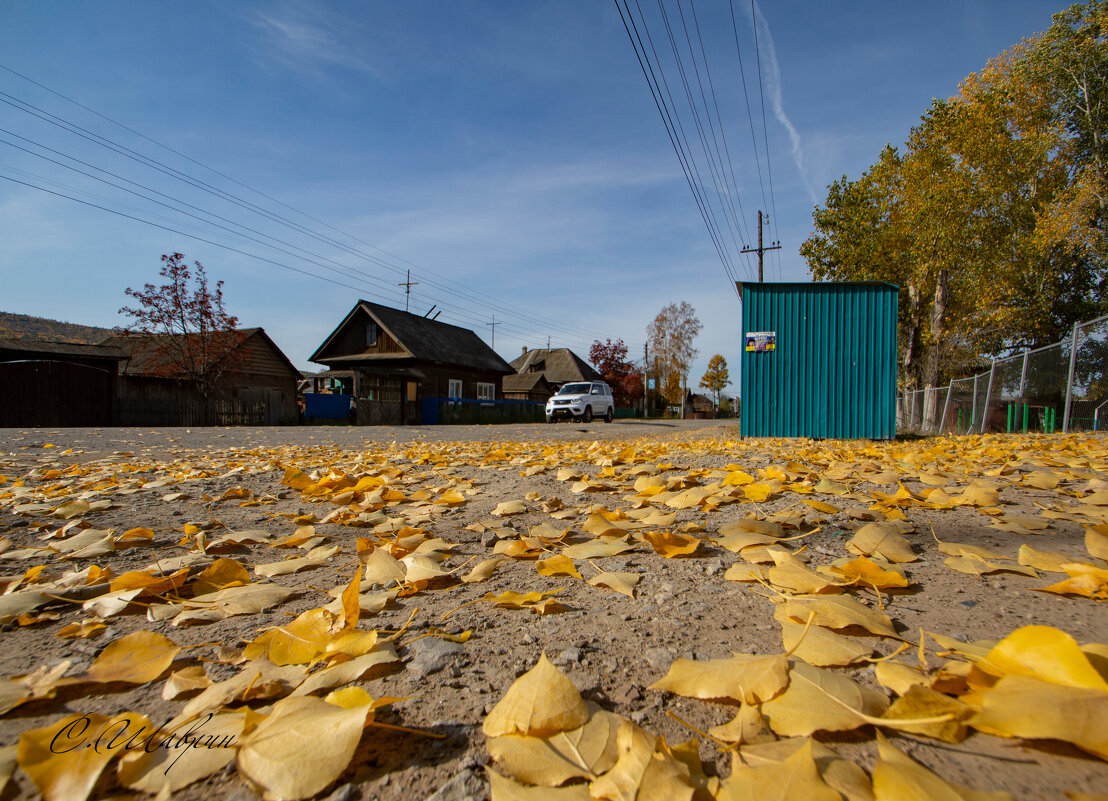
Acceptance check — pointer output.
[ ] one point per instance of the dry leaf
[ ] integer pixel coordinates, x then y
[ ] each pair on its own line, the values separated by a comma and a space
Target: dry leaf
220, 574
623, 583
303, 746
314, 558
136, 658
185, 680
821, 647
504, 789
153, 768
540, 702
381, 567
881, 539
585, 752
821, 700
346, 672
57, 761
670, 544
641, 771
1084, 580
509, 508
836, 612
1046, 653
297, 643
921, 702
794, 779
557, 565
742, 677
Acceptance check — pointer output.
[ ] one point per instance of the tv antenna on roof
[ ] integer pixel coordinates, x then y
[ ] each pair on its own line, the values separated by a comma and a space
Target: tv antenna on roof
408, 289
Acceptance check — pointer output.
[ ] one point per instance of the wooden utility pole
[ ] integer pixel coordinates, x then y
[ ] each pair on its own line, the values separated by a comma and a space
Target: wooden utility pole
761, 250
408, 289
494, 324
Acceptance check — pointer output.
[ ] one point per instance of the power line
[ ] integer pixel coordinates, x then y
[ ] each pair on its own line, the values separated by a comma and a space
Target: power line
765, 129
746, 98
663, 99
77, 130
715, 184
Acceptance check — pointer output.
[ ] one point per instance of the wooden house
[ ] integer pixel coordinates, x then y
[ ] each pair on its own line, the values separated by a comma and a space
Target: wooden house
699, 407
397, 359
527, 387
557, 365
259, 387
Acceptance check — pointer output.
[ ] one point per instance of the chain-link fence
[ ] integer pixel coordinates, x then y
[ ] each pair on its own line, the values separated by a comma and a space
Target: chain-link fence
1060, 387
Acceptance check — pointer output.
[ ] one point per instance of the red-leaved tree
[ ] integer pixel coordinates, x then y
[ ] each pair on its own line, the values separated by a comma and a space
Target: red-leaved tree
610, 360
182, 329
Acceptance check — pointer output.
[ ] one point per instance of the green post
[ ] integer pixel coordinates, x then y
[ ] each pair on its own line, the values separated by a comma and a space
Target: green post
1026, 416
1008, 426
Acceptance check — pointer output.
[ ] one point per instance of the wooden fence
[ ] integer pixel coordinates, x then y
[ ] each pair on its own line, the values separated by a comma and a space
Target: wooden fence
142, 412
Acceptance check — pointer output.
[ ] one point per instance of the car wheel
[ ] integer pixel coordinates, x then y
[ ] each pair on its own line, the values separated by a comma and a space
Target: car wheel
550, 418
587, 416
608, 415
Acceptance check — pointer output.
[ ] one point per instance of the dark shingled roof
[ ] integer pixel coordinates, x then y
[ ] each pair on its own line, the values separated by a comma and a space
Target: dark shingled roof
524, 382
559, 365
422, 339
38, 349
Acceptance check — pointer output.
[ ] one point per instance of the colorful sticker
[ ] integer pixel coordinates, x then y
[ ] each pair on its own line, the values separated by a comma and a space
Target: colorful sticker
761, 341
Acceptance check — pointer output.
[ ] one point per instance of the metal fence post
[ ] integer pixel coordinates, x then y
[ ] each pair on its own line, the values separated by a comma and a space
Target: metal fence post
1069, 382
988, 397
1023, 374
946, 406
973, 409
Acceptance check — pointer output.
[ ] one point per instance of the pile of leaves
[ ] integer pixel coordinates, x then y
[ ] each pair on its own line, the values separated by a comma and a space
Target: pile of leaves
290, 703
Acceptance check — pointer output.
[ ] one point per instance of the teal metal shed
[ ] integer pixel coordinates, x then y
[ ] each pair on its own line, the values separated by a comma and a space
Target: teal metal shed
819, 359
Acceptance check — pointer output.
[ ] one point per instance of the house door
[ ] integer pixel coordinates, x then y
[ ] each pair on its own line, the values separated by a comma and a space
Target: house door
411, 409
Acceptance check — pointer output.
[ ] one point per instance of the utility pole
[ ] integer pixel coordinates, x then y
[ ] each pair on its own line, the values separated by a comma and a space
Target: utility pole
761, 250
645, 381
494, 324
408, 288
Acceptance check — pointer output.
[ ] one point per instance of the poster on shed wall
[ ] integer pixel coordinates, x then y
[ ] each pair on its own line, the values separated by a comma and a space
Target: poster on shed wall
761, 341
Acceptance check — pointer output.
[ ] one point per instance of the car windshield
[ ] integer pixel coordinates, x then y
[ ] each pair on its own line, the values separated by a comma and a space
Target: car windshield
575, 389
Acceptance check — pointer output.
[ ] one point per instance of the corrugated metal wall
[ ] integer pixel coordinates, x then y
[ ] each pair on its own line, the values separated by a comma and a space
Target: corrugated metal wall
832, 373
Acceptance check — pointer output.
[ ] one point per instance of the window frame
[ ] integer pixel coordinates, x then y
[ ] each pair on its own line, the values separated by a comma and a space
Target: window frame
486, 387
450, 384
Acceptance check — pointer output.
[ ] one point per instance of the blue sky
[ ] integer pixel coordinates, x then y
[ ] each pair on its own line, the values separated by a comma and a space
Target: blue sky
509, 153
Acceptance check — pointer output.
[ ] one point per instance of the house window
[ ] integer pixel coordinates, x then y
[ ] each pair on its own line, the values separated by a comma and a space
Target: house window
378, 388
370, 334
455, 388
486, 391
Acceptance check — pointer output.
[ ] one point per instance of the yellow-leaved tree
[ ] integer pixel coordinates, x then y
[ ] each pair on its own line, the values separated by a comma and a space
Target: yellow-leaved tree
992, 218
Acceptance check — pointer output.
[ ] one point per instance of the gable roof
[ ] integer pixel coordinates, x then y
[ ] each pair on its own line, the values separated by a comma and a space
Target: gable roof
145, 356
559, 365
421, 338
526, 382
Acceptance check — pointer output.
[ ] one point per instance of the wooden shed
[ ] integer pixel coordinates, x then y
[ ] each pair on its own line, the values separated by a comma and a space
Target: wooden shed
258, 388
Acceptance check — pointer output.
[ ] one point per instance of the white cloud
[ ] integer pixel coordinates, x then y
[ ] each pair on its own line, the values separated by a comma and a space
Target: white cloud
772, 84
306, 36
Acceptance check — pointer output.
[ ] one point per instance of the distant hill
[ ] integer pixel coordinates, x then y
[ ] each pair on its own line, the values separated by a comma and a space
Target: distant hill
24, 326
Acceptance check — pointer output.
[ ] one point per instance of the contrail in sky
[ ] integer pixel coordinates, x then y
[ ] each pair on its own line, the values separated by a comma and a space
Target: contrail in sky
772, 84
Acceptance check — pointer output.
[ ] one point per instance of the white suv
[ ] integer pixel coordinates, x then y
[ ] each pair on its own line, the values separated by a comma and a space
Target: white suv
582, 400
